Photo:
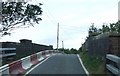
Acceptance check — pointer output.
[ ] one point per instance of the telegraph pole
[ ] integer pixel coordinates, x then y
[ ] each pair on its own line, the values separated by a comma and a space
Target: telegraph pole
57, 36
62, 44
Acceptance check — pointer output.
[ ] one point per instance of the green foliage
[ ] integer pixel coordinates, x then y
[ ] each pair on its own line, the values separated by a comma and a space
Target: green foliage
94, 64
92, 29
69, 51
112, 27
16, 13
117, 26
105, 28
80, 49
74, 51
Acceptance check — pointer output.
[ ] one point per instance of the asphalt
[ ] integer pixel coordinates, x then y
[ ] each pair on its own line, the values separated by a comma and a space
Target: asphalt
64, 64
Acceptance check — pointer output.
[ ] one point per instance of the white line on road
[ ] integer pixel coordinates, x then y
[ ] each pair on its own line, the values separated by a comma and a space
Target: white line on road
83, 65
36, 66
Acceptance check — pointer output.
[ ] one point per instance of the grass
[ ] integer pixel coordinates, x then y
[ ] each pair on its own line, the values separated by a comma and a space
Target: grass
94, 65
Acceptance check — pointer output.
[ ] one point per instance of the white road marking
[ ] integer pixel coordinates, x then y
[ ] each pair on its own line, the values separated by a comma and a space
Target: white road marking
83, 65
36, 66
49, 57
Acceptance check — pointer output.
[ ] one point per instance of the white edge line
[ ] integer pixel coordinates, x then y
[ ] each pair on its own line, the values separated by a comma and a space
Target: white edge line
36, 66
83, 65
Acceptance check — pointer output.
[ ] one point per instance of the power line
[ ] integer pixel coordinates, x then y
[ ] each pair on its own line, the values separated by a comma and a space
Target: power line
50, 18
50, 13
54, 21
71, 28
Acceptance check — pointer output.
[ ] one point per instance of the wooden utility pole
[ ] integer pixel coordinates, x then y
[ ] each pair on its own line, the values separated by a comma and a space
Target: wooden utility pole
62, 44
57, 36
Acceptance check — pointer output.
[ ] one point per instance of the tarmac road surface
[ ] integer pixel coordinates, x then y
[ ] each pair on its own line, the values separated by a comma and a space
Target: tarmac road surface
63, 64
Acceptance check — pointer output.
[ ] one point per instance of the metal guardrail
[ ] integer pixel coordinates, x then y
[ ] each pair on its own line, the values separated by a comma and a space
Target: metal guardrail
3, 68
113, 64
2, 49
5, 55
3, 52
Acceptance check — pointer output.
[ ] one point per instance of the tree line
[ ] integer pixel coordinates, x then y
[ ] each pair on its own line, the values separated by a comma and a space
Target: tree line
112, 27
69, 51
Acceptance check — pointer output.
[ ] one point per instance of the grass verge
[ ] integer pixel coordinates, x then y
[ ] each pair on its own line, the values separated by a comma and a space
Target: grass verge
94, 65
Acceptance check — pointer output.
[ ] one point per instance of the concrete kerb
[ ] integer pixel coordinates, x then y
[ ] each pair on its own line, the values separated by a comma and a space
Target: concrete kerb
26, 62
34, 59
16, 68
34, 66
51, 52
4, 70
44, 54
47, 53
39, 56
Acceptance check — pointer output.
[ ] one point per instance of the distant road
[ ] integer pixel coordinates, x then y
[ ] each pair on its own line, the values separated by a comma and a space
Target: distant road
60, 64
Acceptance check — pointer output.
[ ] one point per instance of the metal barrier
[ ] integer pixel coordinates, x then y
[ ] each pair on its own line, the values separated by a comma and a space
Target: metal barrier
113, 64
4, 52
7, 55
4, 70
21, 65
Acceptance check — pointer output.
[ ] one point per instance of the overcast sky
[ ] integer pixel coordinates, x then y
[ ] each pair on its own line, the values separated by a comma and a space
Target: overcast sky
74, 18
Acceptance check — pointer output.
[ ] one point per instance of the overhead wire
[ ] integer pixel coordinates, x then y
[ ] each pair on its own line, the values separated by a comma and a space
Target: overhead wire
66, 31
54, 19
45, 13
64, 28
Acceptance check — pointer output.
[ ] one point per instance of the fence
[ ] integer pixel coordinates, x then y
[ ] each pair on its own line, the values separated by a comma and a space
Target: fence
7, 54
113, 64
4, 52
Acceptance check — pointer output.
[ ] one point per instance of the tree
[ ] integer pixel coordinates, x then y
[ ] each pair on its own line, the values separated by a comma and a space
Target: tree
105, 28
117, 26
113, 27
18, 14
93, 30
74, 51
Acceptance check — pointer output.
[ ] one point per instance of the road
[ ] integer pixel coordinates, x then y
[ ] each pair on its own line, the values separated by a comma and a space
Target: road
60, 64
